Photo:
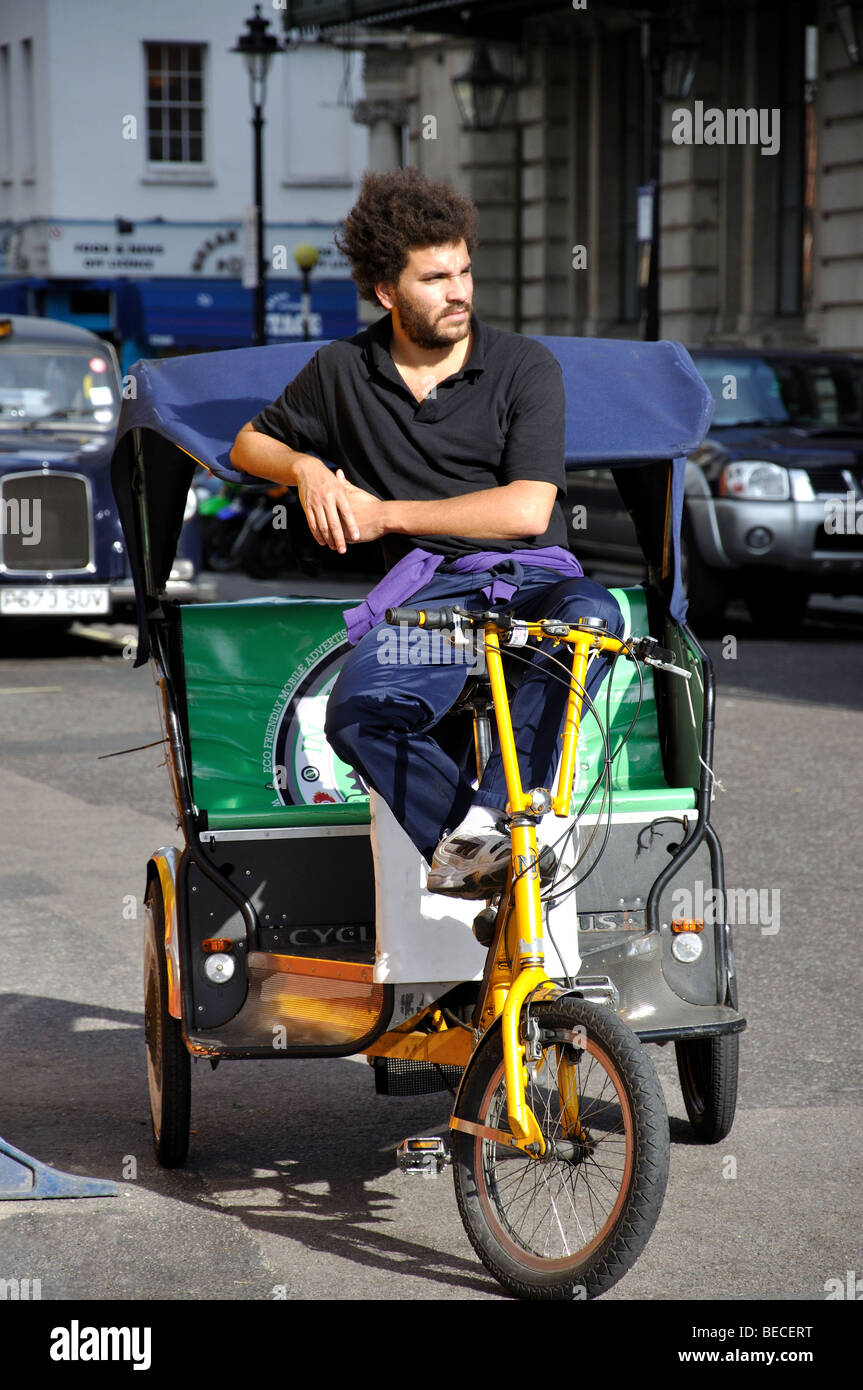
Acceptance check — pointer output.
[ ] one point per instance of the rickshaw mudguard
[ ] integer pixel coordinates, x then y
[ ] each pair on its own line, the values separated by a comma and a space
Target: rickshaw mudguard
284, 1005
164, 865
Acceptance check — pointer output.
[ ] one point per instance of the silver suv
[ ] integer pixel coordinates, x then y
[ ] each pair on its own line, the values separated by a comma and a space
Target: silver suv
774, 496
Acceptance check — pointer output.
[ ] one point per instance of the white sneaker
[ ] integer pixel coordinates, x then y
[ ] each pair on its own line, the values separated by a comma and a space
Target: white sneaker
474, 864
470, 864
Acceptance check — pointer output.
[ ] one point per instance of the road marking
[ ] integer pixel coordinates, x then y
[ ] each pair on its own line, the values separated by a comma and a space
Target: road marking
30, 689
101, 1025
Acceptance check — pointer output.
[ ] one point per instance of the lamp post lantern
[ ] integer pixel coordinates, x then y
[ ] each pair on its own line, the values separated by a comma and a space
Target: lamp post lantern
848, 15
481, 91
257, 47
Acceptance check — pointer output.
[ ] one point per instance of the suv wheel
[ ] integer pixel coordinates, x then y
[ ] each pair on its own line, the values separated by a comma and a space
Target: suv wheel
777, 601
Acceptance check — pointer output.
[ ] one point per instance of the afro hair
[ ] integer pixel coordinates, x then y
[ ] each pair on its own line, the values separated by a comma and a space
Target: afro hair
397, 212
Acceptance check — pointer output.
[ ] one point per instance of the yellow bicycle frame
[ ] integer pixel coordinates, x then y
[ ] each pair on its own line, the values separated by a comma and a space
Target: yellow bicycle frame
517, 953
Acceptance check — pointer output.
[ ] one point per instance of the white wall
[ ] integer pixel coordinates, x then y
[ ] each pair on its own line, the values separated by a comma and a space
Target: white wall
20, 179
90, 77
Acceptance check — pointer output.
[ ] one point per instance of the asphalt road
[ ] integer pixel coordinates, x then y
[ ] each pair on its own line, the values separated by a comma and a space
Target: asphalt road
291, 1189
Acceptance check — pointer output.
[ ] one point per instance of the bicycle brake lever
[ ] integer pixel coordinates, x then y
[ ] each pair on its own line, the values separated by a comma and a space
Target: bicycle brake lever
648, 650
667, 666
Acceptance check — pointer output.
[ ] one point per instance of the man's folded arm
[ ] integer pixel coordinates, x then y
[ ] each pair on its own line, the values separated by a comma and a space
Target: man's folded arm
514, 511
265, 457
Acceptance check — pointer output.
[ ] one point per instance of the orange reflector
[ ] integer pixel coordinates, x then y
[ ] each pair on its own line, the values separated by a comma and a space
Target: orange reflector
5, 328
216, 943
687, 924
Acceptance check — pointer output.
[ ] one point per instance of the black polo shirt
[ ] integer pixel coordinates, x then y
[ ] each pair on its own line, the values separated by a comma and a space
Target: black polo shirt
498, 420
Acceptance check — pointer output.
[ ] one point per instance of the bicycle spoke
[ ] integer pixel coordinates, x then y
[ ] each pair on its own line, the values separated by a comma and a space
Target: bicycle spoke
577, 1213
552, 1207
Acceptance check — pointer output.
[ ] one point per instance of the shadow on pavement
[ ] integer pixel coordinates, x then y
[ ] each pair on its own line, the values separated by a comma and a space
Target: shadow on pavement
305, 1150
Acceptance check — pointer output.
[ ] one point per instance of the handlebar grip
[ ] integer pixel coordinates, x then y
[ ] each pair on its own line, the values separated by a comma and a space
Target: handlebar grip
421, 617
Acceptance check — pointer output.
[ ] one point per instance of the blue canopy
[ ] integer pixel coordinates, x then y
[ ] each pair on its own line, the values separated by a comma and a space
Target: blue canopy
626, 402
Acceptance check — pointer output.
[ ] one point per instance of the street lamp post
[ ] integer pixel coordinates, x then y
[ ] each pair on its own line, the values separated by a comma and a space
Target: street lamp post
257, 47
306, 257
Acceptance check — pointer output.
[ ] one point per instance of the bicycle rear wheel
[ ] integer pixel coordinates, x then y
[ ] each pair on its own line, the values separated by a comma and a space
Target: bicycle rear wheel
567, 1225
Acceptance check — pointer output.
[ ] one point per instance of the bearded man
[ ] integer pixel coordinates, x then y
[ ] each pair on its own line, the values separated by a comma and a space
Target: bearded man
447, 440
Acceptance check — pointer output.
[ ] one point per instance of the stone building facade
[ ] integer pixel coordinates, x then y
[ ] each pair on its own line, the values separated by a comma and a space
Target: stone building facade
756, 248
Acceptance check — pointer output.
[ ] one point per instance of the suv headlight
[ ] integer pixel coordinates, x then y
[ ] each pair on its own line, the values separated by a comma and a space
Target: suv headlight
755, 480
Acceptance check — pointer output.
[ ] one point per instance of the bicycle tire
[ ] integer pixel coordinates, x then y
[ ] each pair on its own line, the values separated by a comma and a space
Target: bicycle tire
586, 1243
707, 1068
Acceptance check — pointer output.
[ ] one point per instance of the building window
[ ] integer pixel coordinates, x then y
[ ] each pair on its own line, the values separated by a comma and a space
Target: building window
5, 113
175, 103
28, 142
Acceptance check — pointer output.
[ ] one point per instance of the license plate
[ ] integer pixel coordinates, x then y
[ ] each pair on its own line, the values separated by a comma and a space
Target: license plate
52, 600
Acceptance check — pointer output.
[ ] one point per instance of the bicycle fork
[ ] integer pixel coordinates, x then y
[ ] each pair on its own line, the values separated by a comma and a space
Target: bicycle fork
510, 990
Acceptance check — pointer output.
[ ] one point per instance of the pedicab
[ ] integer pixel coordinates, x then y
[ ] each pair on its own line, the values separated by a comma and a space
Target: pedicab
294, 919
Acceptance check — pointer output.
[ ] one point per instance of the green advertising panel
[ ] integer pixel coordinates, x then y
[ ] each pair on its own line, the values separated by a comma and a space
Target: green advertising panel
258, 676
638, 777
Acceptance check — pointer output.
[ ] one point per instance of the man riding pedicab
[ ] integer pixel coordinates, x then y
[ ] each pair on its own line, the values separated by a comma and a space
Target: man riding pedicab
447, 437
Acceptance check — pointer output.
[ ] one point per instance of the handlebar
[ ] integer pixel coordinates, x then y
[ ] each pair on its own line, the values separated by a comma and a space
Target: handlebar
644, 649
448, 617
421, 617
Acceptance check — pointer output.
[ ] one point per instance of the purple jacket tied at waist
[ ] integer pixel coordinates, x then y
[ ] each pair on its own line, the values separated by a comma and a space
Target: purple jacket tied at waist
417, 568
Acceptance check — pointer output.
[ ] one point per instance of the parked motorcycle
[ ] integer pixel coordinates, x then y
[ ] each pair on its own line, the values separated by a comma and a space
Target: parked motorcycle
257, 527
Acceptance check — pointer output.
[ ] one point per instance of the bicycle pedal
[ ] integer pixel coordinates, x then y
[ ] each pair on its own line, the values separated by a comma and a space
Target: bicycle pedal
423, 1155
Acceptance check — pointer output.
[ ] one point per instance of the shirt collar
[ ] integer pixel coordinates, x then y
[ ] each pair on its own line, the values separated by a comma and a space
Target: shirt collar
379, 358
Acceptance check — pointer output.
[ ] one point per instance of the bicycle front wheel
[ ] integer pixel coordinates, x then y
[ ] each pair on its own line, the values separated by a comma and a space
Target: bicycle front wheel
567, 1225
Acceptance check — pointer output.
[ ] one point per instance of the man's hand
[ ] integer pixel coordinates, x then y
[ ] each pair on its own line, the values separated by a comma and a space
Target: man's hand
367, 511
323, 497
329, 509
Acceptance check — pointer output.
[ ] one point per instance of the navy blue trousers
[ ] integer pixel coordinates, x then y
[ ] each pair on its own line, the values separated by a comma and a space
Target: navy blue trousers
395, 686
